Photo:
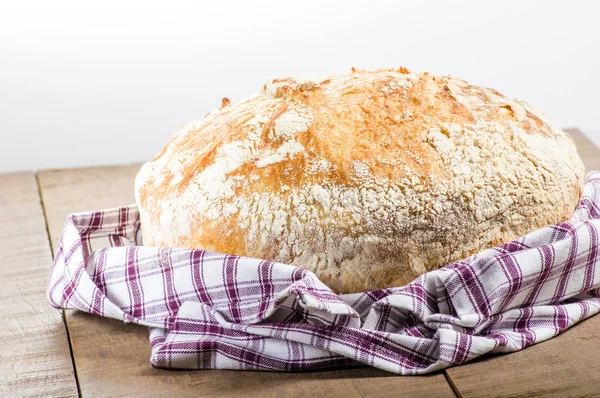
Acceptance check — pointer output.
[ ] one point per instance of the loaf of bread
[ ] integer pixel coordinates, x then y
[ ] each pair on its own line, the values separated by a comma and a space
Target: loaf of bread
367, 179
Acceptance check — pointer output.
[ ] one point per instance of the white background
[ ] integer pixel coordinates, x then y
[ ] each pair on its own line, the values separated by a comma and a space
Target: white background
87, 83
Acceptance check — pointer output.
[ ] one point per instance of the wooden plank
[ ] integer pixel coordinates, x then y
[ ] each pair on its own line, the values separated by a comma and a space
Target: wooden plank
567, 365
588, 151
35, 359
69, 191
112, 359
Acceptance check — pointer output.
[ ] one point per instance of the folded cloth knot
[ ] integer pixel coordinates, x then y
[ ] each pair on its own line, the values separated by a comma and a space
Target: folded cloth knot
210, 310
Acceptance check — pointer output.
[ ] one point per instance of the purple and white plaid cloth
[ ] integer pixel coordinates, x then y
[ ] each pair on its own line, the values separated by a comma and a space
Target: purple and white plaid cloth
209, 310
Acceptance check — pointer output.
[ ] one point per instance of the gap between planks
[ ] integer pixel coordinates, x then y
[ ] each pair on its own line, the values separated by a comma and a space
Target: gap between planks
62, 312
35, 358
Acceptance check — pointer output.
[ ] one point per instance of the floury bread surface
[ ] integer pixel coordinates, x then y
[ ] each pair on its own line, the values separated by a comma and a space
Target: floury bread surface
367, 179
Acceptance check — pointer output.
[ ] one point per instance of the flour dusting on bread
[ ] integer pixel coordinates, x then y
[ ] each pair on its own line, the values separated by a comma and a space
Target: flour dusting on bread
367, 179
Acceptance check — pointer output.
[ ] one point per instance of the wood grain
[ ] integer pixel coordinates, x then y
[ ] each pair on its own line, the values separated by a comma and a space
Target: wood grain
588, 151
112, 358
565, 366
35, 358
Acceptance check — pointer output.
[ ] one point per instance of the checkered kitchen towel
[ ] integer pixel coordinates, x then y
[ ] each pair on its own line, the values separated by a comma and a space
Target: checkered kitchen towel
208, 310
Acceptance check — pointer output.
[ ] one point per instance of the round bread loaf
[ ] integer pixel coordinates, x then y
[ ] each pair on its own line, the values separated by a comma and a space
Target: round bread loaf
367, 179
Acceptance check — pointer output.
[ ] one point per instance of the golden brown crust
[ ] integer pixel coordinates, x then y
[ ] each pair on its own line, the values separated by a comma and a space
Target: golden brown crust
368, 179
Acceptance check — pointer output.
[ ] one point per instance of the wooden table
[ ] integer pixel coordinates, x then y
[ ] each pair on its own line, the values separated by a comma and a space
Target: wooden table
46, 352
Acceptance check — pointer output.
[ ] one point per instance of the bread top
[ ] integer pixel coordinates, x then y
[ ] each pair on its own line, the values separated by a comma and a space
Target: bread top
381, 155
